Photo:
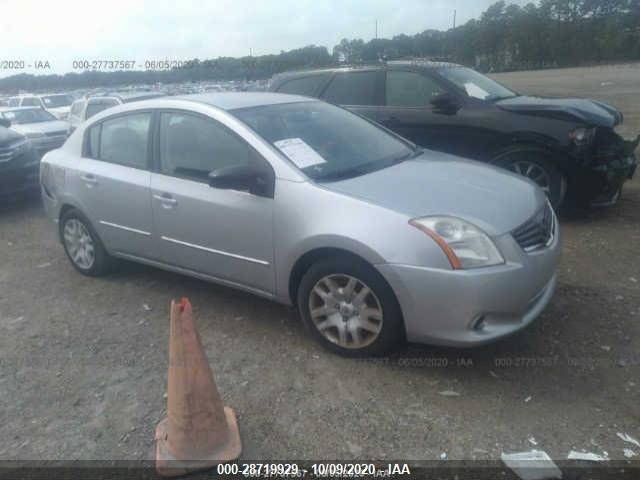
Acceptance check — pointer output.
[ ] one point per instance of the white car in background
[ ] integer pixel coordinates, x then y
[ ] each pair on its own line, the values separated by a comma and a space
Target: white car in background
86, 108
45, 131
58, 104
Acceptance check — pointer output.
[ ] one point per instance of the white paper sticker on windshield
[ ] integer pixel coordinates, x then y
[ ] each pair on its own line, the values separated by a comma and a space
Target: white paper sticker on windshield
475, 91
299, 152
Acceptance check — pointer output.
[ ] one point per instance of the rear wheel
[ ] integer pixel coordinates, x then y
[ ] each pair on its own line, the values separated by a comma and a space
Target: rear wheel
349, 308
83, 246
538, 166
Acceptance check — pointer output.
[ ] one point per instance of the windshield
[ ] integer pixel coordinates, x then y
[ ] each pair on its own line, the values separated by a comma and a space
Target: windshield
35, 115
324, 141
53, 101
475, 84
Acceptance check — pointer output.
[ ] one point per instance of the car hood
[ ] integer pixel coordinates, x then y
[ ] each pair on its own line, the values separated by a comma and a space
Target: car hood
66, 109
438, 184
8, 136
584, 110
41, 127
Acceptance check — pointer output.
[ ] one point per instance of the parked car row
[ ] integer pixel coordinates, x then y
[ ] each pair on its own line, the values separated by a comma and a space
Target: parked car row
568, 146
57, 104
374, 240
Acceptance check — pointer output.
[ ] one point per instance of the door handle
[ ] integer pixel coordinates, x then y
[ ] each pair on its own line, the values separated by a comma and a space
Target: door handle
89, 179
167, 200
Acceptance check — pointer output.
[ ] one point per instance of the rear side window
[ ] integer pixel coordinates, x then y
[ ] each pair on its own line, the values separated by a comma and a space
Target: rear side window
307, 86
31, 102
14, 102
93, 142
353, 88
410, 89
124, 140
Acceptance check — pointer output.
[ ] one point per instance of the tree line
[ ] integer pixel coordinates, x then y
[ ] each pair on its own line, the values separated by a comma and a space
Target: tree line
553, 33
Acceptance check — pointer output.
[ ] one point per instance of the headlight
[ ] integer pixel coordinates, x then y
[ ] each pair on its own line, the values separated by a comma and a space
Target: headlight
34, 135
465, 245
582, 136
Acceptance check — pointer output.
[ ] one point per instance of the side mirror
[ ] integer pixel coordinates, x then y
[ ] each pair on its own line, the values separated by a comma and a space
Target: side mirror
444, 101
240, 177
5, 122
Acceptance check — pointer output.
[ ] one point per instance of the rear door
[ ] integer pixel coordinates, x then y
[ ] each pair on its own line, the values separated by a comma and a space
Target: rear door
113, 182
358, 90
226, 234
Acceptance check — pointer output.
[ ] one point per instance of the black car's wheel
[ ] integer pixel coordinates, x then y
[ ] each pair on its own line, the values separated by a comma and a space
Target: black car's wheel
83, 246
538, 166
349, 308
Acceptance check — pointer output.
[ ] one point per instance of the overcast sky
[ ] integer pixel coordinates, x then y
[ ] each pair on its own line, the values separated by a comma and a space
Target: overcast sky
61, 31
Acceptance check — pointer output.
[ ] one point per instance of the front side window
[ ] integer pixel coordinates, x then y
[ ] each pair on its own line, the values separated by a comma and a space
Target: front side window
191, 147
76, 108
324, 141
124, 140
302, 86
410, 89
352, 88
475, 84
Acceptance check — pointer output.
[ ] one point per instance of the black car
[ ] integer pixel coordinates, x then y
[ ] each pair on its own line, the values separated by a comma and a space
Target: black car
19, 163
566, 145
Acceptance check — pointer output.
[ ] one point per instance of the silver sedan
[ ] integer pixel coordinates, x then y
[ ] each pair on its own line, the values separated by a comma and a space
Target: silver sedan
374, 241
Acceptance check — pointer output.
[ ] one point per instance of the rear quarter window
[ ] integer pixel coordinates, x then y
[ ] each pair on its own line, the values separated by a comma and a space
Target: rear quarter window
307, 86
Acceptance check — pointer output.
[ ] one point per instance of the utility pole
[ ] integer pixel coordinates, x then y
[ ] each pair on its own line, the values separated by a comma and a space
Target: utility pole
454, 18
376, 29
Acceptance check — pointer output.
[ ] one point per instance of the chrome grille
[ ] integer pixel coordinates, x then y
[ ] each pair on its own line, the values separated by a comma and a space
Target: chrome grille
13, 150
537, 232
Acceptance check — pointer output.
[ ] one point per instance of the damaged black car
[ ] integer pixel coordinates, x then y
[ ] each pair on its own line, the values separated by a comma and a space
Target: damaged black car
568, 146
19, 163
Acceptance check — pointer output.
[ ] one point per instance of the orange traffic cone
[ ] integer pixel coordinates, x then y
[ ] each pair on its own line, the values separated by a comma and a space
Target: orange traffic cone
199, 431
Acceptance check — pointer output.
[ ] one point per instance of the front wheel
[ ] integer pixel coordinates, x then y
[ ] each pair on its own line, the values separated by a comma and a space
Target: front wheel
537, 166
349, 308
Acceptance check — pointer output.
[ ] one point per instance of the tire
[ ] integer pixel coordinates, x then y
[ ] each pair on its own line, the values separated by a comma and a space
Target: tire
377, 332
537, 165
97, 264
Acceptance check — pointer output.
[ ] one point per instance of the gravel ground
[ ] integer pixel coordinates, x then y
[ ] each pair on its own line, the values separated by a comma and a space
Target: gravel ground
83, 361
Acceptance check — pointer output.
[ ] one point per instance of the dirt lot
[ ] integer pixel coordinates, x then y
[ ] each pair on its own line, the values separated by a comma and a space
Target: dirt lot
83, 363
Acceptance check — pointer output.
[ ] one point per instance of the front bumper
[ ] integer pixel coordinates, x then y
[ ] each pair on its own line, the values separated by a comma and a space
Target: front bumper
598, 180
463, 308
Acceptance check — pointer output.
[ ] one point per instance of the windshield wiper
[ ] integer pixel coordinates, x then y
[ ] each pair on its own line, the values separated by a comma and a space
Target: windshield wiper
367, 167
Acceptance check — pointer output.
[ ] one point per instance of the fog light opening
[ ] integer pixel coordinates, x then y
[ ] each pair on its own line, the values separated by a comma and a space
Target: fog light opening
478, 323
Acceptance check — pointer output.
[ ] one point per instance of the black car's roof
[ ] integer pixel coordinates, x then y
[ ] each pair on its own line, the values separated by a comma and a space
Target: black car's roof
416, 63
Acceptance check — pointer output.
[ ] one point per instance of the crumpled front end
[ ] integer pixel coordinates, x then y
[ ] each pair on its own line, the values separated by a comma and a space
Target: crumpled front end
609, 161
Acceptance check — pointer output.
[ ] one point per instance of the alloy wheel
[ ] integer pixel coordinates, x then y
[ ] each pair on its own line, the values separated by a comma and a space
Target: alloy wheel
534, 172
345, 311
79, 244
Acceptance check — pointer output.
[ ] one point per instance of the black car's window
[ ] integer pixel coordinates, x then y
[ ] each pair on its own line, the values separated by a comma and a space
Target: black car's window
302, 86
191, 146
352, 88
410, 89
124, 140
96, 107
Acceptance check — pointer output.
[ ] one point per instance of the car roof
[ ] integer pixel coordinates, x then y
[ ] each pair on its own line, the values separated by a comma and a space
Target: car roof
416, 63
235, 100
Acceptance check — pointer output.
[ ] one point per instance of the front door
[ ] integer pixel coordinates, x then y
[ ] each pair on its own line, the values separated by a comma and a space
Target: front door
408, 111
226, 234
